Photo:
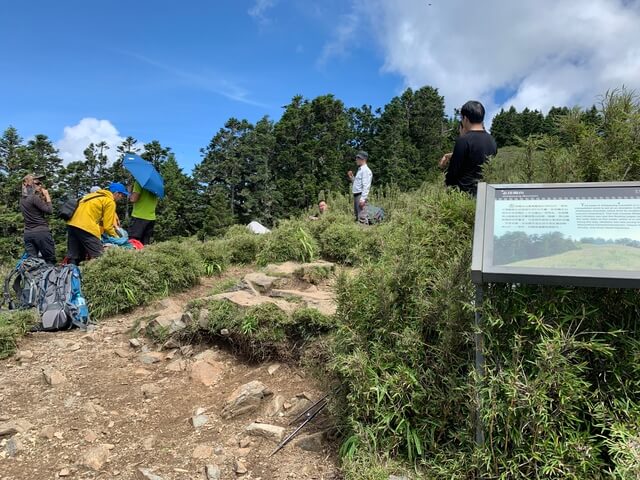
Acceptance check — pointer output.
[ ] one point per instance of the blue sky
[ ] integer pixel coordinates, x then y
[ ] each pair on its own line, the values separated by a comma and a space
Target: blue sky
82, 71
174, 71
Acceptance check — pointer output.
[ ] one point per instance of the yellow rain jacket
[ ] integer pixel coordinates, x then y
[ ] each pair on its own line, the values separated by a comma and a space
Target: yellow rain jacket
95, 210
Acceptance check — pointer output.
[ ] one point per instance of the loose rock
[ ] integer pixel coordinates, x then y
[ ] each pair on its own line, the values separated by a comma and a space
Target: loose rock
10, 428
244, 399
202, 452
53, 377
135, 343
13, 447
149, 358
275, 406
273, 368
24, 355
208, 355
265, 430
212, 472
96, 457
203, 319
122, 353
176, 366
167, 324
186, 350
65, 472
90, 436
47, 432
199, 421
146, 474
311, 443
239, 466
205, 372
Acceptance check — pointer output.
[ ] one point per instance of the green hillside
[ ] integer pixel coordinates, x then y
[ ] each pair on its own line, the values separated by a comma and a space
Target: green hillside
603, 257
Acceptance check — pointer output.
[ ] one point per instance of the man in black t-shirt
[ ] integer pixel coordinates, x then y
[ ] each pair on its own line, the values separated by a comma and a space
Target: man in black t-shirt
35, 205
471, 150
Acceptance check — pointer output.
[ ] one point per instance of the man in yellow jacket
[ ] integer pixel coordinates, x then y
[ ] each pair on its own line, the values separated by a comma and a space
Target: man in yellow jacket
96, 211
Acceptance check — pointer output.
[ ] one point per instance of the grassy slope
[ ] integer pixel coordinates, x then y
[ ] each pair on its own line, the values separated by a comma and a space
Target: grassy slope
604, 257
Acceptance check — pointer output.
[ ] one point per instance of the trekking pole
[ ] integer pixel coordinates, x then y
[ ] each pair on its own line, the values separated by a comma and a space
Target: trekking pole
306, 413
309, 416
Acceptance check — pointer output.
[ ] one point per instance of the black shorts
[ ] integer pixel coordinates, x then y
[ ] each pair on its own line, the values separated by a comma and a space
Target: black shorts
141, 230
40, 243
81, 245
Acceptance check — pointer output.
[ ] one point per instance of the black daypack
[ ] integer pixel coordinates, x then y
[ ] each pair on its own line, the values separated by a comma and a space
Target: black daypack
68, 206
21, 286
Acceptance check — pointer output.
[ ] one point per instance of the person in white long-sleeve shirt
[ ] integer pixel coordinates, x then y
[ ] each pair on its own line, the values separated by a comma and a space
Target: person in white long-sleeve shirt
361, 185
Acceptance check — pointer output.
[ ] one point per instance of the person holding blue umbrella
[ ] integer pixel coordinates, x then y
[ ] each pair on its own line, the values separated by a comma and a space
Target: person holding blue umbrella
147, 188
143, 216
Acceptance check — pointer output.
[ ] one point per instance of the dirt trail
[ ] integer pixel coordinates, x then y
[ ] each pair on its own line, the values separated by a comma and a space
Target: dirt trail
110, 415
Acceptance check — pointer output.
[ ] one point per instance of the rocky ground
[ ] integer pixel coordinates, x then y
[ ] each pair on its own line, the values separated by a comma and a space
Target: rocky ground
110, 404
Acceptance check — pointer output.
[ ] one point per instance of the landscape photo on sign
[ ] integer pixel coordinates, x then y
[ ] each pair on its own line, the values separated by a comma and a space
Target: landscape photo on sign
586, 228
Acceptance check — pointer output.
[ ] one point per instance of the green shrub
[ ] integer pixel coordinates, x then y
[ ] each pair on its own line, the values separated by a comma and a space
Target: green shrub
291, 241
307, 323
13, 325
237, 231
264, 331
402, 347
562, 366
244, 249
315, 274
561, 396
341, 242
121, 279
215, 256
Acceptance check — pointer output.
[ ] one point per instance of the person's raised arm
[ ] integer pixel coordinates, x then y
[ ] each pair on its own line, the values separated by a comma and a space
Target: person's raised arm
43, 204
135, 193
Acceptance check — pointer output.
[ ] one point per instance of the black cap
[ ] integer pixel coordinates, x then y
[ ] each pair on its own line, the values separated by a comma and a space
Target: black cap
363, 155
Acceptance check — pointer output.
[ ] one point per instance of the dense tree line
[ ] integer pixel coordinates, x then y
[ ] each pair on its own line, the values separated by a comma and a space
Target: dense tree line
263, 171
510, 127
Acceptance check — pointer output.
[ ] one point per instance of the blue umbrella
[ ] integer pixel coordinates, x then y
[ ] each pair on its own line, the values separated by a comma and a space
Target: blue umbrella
145, 174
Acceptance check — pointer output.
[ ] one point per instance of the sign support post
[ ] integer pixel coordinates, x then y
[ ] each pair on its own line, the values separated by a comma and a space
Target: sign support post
480, 362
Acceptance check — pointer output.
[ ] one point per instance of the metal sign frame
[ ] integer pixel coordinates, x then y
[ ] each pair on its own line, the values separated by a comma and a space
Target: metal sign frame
484, 271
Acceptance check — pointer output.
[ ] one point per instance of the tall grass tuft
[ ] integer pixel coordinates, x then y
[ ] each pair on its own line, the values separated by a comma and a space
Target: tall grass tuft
291, 241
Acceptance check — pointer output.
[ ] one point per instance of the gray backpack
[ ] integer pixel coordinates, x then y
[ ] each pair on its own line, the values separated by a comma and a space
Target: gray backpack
61, 304
21, 286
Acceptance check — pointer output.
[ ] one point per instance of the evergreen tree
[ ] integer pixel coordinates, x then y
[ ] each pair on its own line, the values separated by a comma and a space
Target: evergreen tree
155, 153
225, 166
180, 212
9, 144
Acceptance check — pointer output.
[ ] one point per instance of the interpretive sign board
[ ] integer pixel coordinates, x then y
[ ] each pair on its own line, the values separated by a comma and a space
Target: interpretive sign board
583, 234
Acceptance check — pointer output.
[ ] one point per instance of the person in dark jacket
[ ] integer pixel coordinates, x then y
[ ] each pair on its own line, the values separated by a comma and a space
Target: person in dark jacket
35, 205
472, 148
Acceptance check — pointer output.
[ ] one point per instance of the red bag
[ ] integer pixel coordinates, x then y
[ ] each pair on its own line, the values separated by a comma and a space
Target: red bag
136, 244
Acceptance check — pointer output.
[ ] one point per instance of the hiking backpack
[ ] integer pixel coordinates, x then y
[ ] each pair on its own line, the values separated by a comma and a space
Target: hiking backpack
61, 304
22, 285
374, 214
68, 205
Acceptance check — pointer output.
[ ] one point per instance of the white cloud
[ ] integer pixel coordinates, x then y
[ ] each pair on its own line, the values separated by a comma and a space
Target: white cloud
343, 36
89, 130
259, 8
544, 52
